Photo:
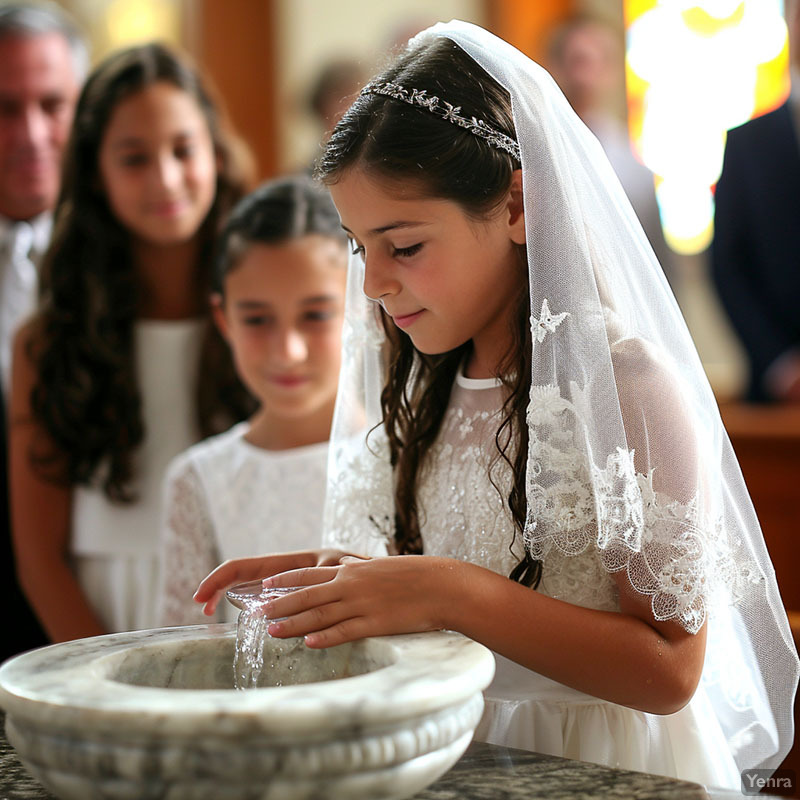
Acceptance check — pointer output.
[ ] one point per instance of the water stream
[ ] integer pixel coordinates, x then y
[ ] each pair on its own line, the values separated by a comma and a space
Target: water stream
248, 659
252, 636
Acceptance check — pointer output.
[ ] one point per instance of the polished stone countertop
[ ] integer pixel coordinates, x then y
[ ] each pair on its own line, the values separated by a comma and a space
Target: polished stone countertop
484, 772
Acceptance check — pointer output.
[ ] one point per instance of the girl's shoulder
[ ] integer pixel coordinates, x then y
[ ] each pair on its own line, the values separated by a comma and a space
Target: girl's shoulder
633, 352
659, 412
642, 370
23, 372
28, 339
224, 455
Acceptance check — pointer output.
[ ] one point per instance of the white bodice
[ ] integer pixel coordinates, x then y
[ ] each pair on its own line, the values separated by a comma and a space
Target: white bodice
226, 498
462, 502
464, 516
167, 360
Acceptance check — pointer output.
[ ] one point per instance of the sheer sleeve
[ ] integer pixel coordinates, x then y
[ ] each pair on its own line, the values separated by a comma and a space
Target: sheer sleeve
650, 507
682, 551
188, 546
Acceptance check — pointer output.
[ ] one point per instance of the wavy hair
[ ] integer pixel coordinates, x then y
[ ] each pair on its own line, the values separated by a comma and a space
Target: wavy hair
86, 398
406, 144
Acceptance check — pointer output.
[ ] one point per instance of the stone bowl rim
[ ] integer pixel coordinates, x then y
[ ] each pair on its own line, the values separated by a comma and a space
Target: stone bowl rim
422, 679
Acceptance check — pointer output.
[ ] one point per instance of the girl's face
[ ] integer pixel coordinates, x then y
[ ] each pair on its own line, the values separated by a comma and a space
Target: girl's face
157, 164
282, 316
444, 277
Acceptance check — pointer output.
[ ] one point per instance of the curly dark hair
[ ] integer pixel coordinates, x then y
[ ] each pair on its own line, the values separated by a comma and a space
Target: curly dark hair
407, 144
86, 399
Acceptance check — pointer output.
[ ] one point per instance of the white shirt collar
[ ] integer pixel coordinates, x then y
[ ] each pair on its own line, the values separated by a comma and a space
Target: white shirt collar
42, 226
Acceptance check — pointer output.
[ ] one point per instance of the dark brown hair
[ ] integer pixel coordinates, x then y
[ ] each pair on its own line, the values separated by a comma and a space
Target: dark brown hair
277, 211
86, 396
403, 143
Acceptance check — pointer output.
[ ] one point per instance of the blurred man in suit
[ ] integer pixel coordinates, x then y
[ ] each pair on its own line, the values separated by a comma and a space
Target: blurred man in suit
586, 57
44, 61
756, 248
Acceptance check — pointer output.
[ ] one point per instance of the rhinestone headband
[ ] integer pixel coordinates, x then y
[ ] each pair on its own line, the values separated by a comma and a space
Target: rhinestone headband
443, 109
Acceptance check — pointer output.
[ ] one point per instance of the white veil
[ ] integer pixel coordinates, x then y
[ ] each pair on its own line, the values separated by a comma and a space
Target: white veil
627, 451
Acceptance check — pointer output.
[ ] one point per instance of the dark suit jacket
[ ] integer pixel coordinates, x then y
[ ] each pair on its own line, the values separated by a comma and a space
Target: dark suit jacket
756, 247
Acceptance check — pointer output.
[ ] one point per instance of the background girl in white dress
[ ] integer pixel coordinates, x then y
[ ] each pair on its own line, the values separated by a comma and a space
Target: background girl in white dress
279, 301
549, 471
120, 369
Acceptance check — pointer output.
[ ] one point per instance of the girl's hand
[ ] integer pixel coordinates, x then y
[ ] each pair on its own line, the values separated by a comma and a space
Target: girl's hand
358, 598
239, 570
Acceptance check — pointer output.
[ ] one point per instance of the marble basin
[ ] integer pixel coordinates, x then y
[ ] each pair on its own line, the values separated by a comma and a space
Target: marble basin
152, 714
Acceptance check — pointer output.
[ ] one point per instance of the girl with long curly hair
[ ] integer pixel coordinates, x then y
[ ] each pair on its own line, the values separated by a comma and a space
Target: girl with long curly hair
120, 369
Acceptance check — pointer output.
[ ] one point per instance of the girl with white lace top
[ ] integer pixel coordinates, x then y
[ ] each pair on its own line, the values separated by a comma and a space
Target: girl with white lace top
279, 302
525, 447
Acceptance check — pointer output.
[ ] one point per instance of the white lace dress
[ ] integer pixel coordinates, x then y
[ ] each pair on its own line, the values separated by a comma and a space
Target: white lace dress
226, 498
463, 516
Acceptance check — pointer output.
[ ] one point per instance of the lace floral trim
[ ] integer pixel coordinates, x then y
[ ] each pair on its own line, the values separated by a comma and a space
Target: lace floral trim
683, 562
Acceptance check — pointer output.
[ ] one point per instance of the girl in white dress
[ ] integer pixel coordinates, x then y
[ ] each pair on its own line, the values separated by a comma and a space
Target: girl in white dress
120, 369
545, 464
279, 301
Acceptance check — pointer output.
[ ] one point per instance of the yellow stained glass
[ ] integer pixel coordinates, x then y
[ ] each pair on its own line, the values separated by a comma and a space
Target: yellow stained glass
695, 69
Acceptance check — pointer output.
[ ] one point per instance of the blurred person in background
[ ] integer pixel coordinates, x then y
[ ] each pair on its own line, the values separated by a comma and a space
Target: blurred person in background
44, 61
279, 293
756, 247
120, 368
333, 90
586, 58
